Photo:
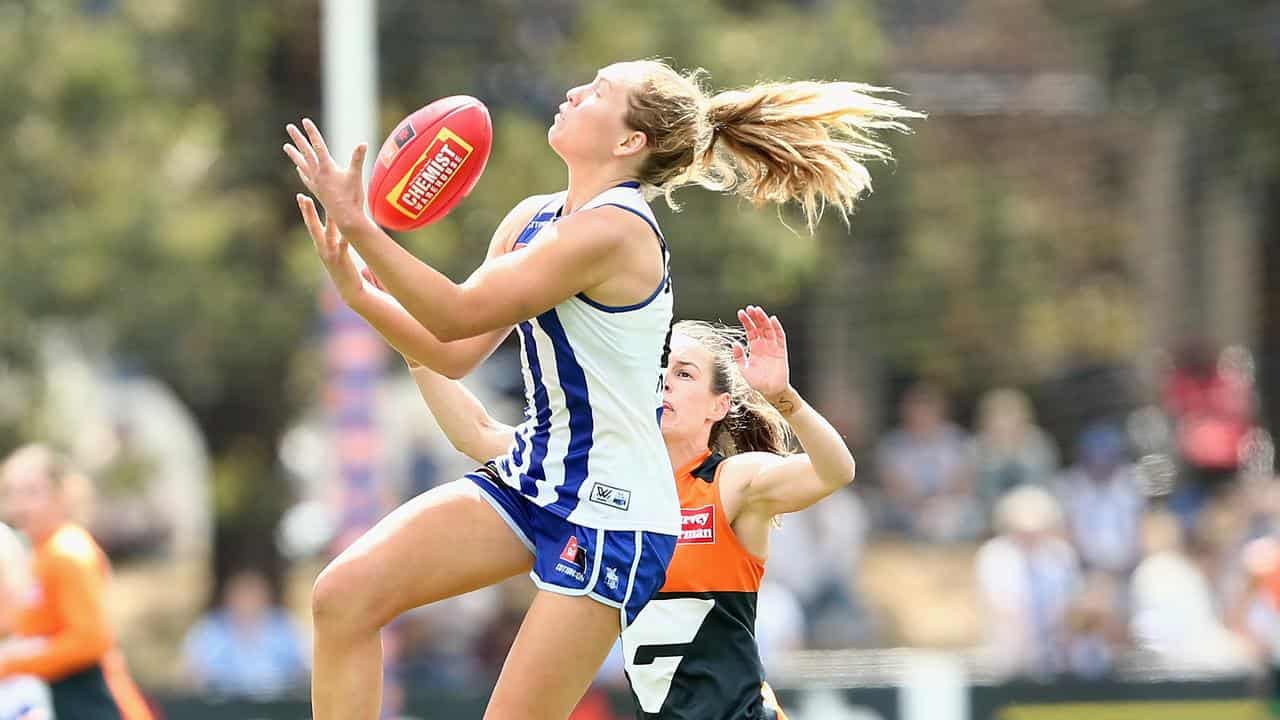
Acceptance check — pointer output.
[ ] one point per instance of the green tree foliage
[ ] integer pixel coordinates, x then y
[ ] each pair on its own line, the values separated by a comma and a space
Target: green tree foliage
145, 203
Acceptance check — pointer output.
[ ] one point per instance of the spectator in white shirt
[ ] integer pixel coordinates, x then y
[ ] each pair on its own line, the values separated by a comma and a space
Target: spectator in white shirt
1028, 577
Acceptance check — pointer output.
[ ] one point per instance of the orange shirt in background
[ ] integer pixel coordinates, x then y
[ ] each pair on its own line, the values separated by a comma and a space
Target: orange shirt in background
68, 610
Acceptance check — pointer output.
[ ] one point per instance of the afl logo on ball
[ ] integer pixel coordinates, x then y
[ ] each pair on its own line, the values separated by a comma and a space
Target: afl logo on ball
430, 174
404, 135
394, 144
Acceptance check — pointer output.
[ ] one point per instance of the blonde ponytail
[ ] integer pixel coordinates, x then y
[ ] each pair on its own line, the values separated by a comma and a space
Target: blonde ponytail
807, 142
802, 141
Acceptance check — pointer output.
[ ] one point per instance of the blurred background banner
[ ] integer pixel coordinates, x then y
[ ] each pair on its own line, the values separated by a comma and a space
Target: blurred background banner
1051, 335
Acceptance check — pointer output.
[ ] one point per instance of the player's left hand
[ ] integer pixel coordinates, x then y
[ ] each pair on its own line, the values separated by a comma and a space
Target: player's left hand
340, 190
332, 248
763, 361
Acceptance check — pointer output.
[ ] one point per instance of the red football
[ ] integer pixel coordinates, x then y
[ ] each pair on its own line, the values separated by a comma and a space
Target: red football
431, 161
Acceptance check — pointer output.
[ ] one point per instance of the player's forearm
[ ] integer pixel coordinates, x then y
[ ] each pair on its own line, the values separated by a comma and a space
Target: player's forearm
65, 654
411, 339
470, 428
828, 453
429, 297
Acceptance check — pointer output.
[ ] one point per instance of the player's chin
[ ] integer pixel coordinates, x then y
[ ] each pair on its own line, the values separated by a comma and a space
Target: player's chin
559, 136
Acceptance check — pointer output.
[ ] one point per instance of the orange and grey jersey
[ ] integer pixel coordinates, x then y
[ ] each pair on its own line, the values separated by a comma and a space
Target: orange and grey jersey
691, 653
67, 609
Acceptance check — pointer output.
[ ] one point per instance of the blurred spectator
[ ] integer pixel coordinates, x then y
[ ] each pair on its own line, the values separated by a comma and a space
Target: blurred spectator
1027, 579
71, 640
1095, 627
780, 623
1210, 400
247, 647
1174, 615
926, 472
1256, 615
1103, 500
442, 640
1010, 449
22, 697
821, 547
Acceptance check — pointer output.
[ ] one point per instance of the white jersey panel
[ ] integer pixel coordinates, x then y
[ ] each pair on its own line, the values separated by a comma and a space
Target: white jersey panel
590, 448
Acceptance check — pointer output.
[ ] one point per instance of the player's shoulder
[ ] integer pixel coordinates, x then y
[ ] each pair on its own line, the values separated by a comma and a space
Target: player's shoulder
605, 230
534, 203
73, 544
519, 216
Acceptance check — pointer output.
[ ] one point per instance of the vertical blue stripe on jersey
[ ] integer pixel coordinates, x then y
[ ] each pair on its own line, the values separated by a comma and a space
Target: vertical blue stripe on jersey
573, 381
542, 411
517, 452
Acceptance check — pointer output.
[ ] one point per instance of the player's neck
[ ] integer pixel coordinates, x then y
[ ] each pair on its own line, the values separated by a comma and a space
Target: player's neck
586, 183
683, 452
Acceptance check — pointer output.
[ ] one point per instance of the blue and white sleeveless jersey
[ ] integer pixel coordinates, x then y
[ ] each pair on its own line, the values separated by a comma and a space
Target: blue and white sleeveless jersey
590, 448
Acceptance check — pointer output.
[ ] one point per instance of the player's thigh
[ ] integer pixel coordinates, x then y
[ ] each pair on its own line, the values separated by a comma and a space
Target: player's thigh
443, 543
560, 647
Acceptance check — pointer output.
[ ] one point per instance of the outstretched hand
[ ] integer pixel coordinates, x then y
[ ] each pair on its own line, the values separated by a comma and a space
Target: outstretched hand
340, 190
763, 361
332, 248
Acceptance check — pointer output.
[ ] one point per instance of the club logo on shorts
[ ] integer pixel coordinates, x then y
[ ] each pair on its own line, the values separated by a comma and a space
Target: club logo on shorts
697, 525
610, 496
430, 174
611, 577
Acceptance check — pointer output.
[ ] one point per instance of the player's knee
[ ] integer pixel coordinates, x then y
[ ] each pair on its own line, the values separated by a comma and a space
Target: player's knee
339, 598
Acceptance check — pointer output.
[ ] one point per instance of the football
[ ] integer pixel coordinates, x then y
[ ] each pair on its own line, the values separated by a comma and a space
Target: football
430, 162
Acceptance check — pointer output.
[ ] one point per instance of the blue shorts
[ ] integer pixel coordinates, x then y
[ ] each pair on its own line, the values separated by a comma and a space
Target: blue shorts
620, 568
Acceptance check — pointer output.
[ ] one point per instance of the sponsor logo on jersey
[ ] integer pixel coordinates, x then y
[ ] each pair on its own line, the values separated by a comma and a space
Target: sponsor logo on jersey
571, 550
573, 560
697, 525
571, 571
610, 496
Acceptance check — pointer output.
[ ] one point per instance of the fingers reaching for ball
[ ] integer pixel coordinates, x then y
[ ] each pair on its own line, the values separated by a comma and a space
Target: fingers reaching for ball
340, 190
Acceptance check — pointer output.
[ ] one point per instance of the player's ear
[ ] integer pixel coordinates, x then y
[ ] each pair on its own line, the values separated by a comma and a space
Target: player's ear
721, 408
634, 143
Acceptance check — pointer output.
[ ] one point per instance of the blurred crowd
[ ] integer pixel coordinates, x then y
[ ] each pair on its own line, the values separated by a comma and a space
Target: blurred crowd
1153, 544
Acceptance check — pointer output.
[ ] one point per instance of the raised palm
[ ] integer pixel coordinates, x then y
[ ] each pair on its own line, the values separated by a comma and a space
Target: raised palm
764, 360
340, 190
